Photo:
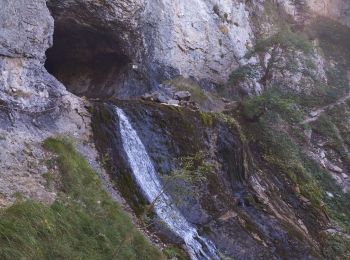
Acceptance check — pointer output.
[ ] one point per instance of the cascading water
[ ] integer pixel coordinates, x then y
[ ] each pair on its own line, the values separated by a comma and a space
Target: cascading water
146, 178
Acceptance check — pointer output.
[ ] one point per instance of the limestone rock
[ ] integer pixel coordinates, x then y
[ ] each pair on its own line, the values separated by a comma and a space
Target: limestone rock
173, 102
334, 168
26, 28
182, 95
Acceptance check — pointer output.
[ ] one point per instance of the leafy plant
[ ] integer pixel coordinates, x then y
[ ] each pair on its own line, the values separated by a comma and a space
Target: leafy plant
242, 73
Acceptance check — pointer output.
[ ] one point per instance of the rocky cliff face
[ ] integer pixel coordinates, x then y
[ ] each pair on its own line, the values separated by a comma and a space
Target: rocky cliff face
34, 105
274, 66
109, 48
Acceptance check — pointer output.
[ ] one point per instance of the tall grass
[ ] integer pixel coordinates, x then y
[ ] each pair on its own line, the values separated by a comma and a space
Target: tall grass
84, 222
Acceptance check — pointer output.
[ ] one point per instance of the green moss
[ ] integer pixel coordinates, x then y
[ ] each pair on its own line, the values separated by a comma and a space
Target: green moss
207, 119
333, 38
84, 222
283, 152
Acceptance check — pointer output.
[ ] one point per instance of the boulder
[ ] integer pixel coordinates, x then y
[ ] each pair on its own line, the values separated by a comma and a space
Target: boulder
155, 97
334, 168
313, 113
182, 95
173, 102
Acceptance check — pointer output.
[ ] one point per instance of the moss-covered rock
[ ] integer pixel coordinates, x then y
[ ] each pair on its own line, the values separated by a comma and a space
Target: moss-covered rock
226, 204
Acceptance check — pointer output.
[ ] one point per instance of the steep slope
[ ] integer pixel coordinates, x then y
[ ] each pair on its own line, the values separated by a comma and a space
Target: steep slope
266, 176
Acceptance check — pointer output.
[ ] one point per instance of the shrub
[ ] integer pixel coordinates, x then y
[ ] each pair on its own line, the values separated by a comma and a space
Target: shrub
273, 101
242, 73
285, 39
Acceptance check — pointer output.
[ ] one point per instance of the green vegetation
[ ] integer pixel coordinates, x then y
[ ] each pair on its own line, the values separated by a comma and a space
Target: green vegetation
333, 38
193, 169
242, 73
284, 156
327, 128
284, 39
281, 146
273, 99
83, 223
175, 253
191, 174
337, 246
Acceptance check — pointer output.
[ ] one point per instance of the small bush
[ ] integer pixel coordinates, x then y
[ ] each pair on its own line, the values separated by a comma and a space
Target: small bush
242, 73
284, 39
274, 101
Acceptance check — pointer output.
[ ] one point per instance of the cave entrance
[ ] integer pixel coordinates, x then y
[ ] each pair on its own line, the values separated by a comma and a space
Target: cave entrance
87, 61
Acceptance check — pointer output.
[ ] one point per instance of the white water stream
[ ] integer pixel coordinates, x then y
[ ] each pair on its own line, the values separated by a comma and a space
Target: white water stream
147, 179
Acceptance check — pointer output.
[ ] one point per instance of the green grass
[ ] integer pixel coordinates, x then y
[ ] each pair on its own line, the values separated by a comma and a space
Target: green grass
83, 223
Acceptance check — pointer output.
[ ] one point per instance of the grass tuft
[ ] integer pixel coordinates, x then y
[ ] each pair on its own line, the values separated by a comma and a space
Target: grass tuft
83, 223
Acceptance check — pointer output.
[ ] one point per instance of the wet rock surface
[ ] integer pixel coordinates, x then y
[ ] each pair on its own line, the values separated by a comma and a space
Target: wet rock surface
228, 209
124, 49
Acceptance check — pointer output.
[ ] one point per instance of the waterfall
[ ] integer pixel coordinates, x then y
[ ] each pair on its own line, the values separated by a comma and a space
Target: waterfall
147, 179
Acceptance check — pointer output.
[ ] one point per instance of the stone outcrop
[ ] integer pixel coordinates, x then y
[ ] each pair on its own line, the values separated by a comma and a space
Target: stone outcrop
96, 46
336, 9
33, 104
53, 51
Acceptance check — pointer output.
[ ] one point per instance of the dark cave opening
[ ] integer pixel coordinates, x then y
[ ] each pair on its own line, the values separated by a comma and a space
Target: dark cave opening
89, 62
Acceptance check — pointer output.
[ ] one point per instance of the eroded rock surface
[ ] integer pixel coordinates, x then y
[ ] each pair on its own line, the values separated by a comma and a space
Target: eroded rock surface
33, 104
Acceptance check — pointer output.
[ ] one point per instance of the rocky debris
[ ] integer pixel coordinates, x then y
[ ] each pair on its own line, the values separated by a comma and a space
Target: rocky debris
173, 102
333, 168
225, 100
155, 97
228, 215
233, 105
182, 95
329, 194
313, 113
181, 98
305, 200
190, 104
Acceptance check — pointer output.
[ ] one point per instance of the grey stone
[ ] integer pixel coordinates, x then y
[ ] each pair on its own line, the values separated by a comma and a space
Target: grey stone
26, 28
334, 168
182, 95
173, 102
313, 113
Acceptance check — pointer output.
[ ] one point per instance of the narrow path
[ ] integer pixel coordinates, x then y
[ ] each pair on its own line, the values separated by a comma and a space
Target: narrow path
315, 114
